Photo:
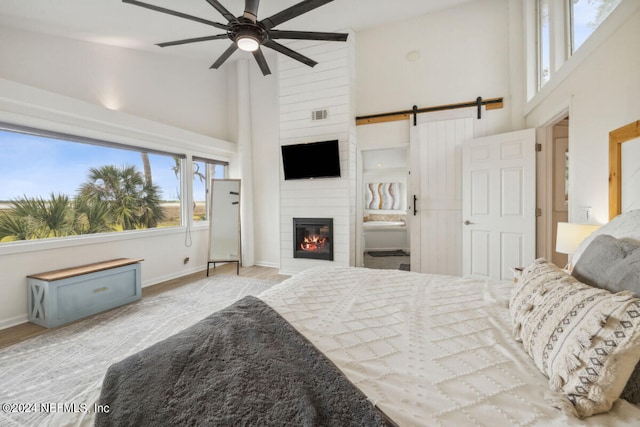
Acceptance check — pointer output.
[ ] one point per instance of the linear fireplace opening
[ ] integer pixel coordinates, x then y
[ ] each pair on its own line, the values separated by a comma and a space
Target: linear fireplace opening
313, 238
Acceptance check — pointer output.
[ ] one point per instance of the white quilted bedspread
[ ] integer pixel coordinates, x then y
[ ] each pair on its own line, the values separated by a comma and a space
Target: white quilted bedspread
429, 350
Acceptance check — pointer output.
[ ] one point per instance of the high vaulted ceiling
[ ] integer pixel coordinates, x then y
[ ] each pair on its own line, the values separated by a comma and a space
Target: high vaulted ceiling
112, 22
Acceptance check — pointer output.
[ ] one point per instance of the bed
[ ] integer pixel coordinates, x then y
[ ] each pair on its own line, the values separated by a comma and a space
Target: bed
421, 349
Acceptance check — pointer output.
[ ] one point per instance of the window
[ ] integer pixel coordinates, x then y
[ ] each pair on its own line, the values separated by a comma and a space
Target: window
586, 16
544, 43
203, 171
559, 28
56, 185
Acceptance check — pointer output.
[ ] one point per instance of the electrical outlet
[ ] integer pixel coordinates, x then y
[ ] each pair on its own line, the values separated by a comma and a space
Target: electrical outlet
186, 260
584, 214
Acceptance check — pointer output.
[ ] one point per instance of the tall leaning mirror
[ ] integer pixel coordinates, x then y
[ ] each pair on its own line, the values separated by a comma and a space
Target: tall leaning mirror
624, 173
224, 223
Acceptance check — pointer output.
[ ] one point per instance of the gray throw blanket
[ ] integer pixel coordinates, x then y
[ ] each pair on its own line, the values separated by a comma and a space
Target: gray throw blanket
242, 366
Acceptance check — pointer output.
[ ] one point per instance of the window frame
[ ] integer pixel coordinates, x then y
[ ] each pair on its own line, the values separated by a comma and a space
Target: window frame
84, 139
540, 44
20, 246
564, 62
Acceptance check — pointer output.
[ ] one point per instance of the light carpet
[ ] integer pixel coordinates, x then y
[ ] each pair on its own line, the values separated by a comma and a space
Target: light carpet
65, 366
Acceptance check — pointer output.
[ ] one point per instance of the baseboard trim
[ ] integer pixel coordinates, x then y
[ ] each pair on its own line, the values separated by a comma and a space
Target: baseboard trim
167, 277
289, 272
267, 264
14, 321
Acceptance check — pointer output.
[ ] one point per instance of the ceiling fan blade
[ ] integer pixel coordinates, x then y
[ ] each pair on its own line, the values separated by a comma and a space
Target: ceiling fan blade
251, 10
308, 35
292, 12
290, 53
262, 62
223, 10
225, 55
194, 40
178, 14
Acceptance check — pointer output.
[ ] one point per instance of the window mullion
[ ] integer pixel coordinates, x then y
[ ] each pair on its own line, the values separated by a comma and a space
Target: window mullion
558, 32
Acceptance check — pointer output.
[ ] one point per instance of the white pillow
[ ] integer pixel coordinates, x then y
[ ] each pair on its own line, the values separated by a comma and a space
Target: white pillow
584, 339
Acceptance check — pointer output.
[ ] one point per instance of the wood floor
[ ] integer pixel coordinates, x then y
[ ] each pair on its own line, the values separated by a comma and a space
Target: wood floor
27, 330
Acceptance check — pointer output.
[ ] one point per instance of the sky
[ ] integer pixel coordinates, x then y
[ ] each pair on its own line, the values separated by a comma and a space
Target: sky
584, 16
36, 166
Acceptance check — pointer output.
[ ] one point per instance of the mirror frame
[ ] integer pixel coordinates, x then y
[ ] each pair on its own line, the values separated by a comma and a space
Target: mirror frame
618, 137
213, 215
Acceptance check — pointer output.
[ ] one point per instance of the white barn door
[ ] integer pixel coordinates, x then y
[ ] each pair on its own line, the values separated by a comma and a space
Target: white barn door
499, 203
435, 217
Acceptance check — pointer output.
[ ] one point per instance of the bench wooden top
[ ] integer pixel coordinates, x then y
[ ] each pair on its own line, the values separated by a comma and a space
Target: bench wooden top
65, 273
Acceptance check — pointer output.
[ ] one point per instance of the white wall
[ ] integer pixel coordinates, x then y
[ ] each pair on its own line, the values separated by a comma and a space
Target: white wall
265, 152
600, 94
178, 92
163, 250
265, 111
463, 53
64, 85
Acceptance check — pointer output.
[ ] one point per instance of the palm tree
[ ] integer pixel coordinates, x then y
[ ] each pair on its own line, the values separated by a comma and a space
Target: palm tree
37, 218
113, 198
133, 203
150, 210
91, 216
146, 165
49, 218
13, 227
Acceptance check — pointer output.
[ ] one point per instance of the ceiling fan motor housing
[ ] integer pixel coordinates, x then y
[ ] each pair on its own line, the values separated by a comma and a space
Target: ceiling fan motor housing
245, 28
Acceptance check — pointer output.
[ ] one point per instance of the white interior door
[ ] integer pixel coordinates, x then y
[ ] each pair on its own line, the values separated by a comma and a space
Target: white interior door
498, 204
436, 183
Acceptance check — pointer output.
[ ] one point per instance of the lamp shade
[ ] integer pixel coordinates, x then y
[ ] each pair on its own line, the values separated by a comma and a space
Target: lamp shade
571, 235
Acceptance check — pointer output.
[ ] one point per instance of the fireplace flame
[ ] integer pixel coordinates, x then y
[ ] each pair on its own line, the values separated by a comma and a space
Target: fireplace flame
313, 243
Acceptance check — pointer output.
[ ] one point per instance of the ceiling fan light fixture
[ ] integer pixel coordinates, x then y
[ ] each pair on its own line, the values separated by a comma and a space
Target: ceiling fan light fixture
247, 43
248, 34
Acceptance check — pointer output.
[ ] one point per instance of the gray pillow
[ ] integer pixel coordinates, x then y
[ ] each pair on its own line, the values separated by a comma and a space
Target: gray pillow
631, 392
613, 264
610, 263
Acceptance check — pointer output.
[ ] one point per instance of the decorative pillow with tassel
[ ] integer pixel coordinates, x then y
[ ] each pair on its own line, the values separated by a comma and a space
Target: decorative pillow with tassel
584, 339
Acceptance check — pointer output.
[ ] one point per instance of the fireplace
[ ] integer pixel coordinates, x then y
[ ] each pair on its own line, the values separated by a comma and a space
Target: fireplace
313, 238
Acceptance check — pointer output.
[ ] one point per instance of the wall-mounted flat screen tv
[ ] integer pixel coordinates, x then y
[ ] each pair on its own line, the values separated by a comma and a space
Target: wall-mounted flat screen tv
312, 160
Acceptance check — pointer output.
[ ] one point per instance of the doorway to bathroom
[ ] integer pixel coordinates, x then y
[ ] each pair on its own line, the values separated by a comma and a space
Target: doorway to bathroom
385, 238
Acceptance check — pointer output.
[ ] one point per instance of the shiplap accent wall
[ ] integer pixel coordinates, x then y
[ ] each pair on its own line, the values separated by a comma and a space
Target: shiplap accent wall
329, 86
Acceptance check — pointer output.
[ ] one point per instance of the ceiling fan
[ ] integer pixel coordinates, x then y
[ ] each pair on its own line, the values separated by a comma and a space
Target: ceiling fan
249, 34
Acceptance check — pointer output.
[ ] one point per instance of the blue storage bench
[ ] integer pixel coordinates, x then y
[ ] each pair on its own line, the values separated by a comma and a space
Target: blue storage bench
62, 296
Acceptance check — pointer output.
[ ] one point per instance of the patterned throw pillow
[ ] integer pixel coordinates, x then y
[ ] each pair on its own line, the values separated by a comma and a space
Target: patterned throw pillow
584, 339
613, 264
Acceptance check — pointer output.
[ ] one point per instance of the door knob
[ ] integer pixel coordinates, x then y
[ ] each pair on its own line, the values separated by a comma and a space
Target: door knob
467, 222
